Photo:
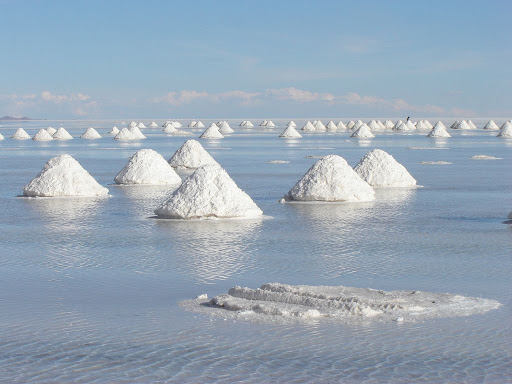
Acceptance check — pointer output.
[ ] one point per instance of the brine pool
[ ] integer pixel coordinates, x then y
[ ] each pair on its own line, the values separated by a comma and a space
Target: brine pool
90, 290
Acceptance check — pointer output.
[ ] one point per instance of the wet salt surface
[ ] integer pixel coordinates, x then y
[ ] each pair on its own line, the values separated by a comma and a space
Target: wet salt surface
90, 288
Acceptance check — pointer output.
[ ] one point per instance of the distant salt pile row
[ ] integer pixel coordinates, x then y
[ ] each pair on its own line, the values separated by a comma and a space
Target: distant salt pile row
63, 176
131, 133
331, 179
246, 124
278, 302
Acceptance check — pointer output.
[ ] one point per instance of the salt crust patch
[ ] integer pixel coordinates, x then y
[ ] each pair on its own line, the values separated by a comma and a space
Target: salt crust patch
485, 157
439, 162
282, 303
428, 148
278, 162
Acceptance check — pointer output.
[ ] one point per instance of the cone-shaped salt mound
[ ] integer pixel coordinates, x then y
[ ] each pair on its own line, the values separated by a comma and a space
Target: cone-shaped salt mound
421, 125
290, 133
51, 130
125, 134
42, 135
212, 132
389, 124
264, 123
191, 155
379, 169
141, 125
340, 303
20, 134
209, 193
90, 134
153, 125
340, 126
331, 179
472, 125
62, 134
462, 125
319, 127
137, 134
249, 124
192, 124
350, 124
491, 125
506, 131
291, 124
270, 124
357, 125
64, 176
331, 127
132, 124
373, 126
439, 131
308, 127
363, 132
147, 167
199, 124
1, 137
225, 128
170, 128
114, 131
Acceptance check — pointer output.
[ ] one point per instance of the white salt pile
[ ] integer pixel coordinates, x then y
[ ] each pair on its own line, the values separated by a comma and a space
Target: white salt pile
462, 125
491, 125
421, 125
212, 132
485, 157
410, 125
278, 162
373, 126
308, 127
147, 167
389, 124
153, 125
291, 124
331, 127
331, 179
137, 134
350, 124
281, 302
141, 125
357, 125
90, 134
249, 124
319, 127
191, 155
20, 134
290, 133
208, 193
456, 123
506, 131
42, 135
270, 124
379, 169
340, 126
264, 123
1, 137
64, 176
132, 124
243, 123
225, 129
398, 124
192, 124
381, 125
363, 132
125, 134
170, 128
427, 124
439, 131
199, 124
114, 131
177, 124
62, 134
472, 125
51, 130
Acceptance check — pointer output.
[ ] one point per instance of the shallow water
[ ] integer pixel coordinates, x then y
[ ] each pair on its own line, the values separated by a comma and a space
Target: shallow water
90, 289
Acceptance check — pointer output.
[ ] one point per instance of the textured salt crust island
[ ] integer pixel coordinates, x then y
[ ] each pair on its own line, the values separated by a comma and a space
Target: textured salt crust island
277, 302
147, 167
379, 169
330, 179
191, 155
63, 176
209, 193
485, 157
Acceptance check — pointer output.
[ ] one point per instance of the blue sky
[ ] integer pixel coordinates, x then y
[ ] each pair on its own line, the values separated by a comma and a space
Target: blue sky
157, 59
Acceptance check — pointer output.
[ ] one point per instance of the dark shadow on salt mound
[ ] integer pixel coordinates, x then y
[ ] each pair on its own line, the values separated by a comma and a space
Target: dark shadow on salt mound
338, 303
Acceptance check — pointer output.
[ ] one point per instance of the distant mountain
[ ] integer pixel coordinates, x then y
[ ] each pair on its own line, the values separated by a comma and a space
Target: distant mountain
14, 118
